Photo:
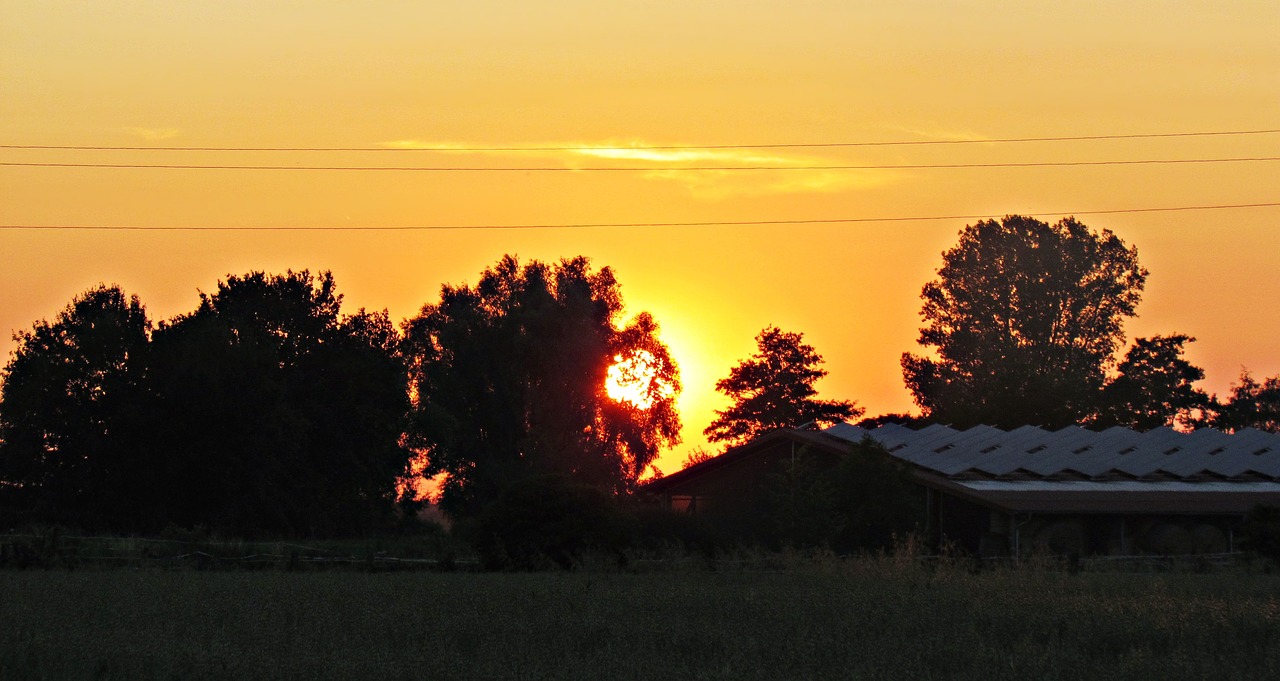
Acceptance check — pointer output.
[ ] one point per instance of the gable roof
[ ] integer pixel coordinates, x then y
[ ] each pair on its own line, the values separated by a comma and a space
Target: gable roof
733, 455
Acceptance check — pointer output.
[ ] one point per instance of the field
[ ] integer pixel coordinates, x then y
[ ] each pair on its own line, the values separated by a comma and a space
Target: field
826, 619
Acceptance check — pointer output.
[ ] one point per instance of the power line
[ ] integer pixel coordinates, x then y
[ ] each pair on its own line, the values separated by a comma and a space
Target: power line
558, 169
675, 147
712, 223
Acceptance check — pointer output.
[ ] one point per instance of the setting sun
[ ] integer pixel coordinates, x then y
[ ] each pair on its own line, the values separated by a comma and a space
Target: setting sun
632, 379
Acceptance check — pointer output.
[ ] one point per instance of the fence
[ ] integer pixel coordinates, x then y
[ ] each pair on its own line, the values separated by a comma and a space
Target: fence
54, 549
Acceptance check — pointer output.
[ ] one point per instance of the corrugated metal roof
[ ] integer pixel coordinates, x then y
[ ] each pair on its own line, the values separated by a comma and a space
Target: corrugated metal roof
1118, 486
1073, 470
1162, 453
1124, 497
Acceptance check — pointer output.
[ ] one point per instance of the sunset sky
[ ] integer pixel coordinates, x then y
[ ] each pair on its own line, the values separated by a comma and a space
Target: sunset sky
421, 80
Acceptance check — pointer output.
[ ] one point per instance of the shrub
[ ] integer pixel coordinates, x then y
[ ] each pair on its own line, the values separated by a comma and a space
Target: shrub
1261, 532
875, 499
550, 521
661, 529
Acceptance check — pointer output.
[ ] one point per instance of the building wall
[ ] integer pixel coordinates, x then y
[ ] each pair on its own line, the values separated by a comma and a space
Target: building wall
760, 498
990, 533
742, 499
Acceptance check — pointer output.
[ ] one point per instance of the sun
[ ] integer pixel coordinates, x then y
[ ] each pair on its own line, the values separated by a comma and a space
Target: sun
631, 379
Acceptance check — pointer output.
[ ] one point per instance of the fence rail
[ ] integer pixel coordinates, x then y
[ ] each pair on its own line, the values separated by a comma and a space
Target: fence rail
54, 550
60, 550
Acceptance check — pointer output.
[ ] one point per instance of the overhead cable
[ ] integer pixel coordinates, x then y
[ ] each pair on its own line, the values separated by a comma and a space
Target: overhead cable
561, 169
708, 223
673, 147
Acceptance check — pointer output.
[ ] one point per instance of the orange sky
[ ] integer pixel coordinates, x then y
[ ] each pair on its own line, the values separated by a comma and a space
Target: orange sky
485, 74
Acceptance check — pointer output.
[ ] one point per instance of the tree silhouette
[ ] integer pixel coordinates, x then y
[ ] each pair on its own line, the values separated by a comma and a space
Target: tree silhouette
1024, 318
696, 456
67, 409
1252, 404
274, 412
508, 379
1153, 387
774, 389
877, 499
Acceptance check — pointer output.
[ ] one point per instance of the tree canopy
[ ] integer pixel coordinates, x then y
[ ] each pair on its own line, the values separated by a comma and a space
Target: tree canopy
265, 410
774, 389
1153, 388
1251, 404
68, 403
508, 382
275, 411
1024, 319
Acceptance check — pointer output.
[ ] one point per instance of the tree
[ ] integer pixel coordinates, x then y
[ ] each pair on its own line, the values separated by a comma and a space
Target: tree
550, 520
877, 499
696, 456
861, 500
901, 419
774, 389
508, 380
1260, 532
274, 412
66, 409
799, 507
1153, 387
1024, 318
1252, 404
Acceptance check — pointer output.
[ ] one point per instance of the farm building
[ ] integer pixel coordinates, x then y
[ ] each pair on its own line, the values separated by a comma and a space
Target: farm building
997, 492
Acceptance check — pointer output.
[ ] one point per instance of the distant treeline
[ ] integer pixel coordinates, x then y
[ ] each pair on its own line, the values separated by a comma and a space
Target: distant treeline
265, 409
269, 410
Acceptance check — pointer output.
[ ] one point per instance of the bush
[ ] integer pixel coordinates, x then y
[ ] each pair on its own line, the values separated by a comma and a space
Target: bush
876, 501
1261, 532
550, 521
660, 529
859, 502
44, 547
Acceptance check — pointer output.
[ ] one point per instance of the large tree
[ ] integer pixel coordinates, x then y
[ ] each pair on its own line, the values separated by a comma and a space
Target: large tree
774, 389
68, 410
274, 412
508, 380
1251, 404
1153, 387
1023, 321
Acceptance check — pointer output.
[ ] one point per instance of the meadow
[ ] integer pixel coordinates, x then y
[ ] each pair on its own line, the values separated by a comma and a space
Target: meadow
874, 618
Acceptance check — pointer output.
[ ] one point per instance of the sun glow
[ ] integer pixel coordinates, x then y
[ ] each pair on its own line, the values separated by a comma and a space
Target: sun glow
634, 379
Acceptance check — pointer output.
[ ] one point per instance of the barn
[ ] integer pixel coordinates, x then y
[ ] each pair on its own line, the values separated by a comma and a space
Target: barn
997, 493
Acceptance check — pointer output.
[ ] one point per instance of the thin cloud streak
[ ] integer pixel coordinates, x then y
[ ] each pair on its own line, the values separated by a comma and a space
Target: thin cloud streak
940, 133
725, 156
708, 185
716, 185
441, 146
153, 134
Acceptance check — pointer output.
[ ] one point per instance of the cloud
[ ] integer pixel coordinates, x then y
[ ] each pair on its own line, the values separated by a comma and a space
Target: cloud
794, 173
932, 132
418, 144
153, 134
676, 155
716, 185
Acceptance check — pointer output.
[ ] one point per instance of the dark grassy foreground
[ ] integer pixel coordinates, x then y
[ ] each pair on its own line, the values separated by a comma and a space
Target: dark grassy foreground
869, 619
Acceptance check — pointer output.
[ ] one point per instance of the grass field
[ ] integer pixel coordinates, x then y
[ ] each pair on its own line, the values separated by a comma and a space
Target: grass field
872, 619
